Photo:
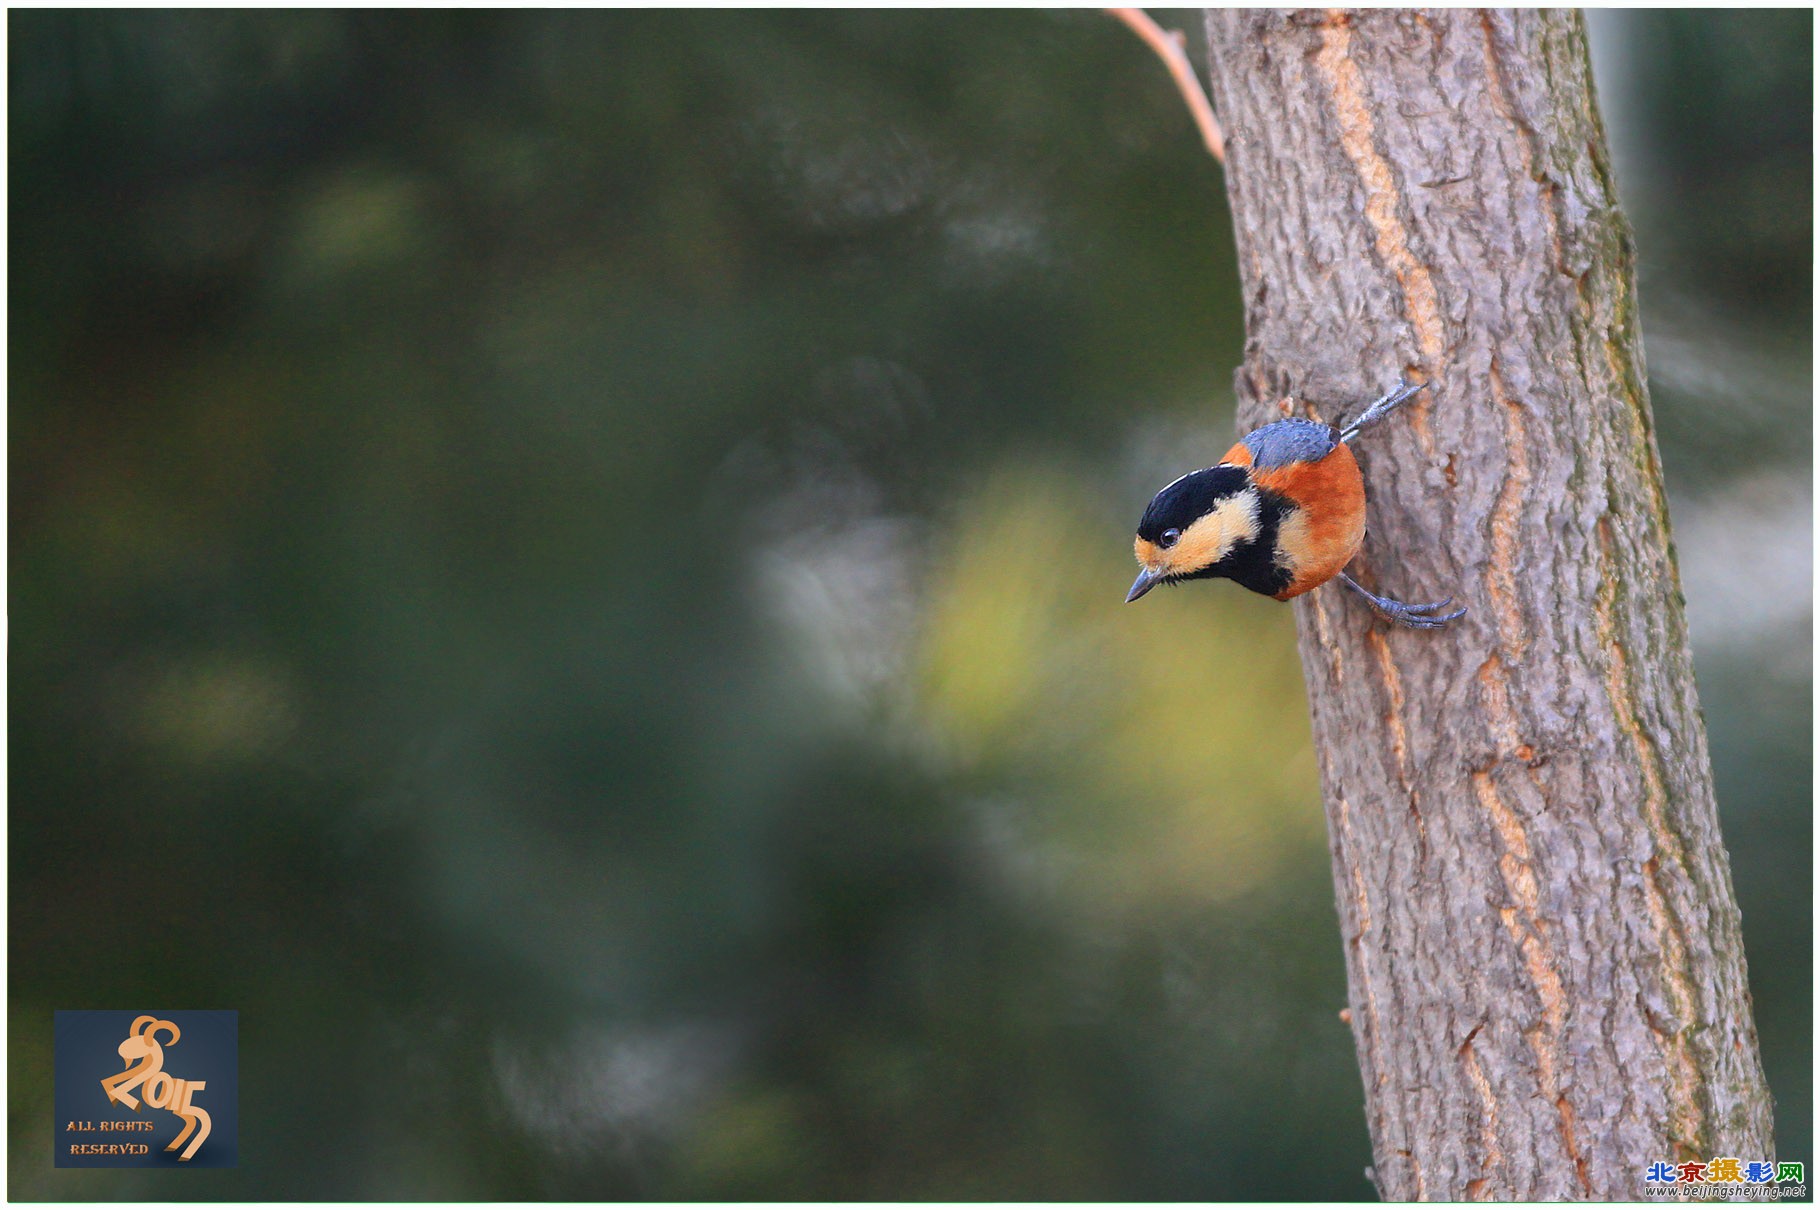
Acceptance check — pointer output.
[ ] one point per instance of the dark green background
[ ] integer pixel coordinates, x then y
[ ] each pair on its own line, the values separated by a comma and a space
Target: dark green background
568, 566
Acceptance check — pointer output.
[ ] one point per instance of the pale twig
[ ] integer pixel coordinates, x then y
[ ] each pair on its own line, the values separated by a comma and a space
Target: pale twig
1168, 46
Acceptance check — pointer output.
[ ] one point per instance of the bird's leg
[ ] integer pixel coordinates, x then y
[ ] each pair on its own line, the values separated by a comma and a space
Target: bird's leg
1381, 408
1421, 617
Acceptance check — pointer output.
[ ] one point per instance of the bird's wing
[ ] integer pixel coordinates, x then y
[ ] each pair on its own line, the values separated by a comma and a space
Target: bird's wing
1284, 443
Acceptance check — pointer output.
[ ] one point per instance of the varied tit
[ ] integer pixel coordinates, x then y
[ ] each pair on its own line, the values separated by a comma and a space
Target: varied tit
1283, 512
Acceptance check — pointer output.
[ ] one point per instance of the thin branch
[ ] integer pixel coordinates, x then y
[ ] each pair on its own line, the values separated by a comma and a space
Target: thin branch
1168, 46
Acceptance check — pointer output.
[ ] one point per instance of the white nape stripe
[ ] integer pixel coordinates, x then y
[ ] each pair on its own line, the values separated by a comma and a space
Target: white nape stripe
1177, 480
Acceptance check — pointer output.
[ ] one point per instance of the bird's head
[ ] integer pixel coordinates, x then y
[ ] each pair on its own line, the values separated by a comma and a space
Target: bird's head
1193, 525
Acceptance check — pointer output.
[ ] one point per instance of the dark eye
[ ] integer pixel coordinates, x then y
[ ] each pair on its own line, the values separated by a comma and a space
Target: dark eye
1168, 538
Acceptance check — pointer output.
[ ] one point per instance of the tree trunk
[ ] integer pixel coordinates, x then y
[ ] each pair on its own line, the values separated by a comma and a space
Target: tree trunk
1546, 976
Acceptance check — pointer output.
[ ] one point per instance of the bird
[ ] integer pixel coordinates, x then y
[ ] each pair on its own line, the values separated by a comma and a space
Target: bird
1282, 514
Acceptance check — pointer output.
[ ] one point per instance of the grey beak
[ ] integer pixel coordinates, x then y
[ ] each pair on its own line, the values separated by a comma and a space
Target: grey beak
1144, 583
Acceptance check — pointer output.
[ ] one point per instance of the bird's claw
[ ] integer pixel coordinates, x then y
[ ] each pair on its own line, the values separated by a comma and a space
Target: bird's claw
1419, 617
1400, 394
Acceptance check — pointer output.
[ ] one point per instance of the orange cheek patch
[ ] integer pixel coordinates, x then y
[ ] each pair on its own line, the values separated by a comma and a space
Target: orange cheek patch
1232, 521
1146, 552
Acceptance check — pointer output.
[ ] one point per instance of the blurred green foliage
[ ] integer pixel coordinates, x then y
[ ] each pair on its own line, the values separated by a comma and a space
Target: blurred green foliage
568, 565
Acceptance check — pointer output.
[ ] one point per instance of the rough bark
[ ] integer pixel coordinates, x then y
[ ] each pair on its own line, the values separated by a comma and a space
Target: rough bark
1546, 976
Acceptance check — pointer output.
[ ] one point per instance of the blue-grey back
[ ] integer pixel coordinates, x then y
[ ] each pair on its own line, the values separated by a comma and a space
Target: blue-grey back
1292, 440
